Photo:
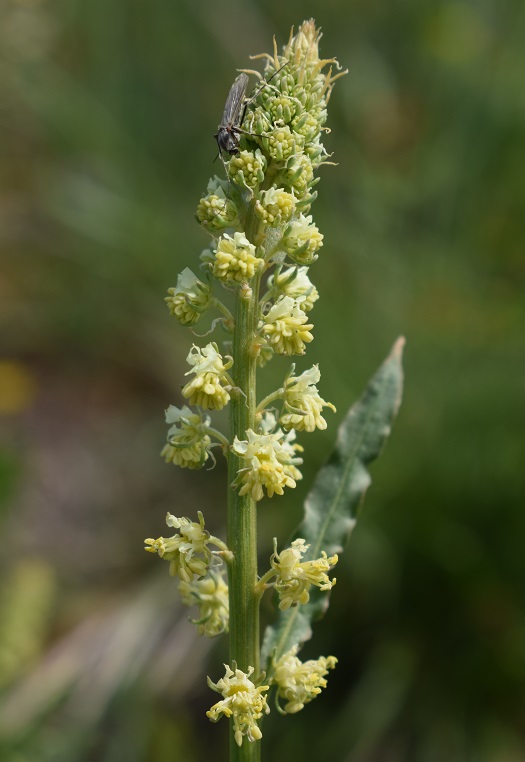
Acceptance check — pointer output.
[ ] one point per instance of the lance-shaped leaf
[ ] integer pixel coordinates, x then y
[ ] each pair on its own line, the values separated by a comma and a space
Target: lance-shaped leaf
337, 494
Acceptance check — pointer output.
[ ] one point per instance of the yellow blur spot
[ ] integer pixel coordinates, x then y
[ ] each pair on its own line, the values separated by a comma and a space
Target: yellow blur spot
17, 387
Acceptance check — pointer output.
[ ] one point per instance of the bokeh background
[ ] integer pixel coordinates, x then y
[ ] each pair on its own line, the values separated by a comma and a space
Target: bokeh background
107, 110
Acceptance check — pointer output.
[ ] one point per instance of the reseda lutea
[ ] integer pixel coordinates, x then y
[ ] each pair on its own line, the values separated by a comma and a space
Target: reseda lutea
263, 244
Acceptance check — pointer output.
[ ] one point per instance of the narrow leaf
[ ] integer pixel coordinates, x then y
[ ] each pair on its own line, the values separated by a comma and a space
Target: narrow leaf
337, 493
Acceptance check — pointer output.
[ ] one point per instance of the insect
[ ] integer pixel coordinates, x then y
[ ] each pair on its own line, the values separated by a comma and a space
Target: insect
229, 129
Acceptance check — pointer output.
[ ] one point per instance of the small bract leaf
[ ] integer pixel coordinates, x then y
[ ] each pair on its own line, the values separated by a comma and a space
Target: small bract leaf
337, 493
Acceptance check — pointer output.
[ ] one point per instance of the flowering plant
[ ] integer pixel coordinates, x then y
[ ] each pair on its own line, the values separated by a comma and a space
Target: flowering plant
263, 245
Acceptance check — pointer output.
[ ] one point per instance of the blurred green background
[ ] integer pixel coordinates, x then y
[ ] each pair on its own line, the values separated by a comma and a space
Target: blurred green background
107, 110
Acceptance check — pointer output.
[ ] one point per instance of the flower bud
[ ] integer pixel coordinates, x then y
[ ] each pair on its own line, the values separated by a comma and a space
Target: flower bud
298, 174
281, 143
247, 168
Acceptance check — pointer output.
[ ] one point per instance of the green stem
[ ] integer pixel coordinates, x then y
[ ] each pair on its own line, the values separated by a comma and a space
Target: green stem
242, 513
278, 394
225, 311
217, 435
262, 584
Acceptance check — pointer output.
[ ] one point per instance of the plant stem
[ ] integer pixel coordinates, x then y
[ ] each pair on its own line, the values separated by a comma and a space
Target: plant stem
217, 435
225, 311
278, 394
242, 513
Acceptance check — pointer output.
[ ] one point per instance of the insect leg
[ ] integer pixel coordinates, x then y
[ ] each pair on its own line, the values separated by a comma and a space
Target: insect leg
226, 173
259, 90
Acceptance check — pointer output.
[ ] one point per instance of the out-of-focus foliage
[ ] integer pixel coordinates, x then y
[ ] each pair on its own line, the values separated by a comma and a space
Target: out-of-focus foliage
106, 116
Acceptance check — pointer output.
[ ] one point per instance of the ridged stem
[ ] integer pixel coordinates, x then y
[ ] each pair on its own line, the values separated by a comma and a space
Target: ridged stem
242, 512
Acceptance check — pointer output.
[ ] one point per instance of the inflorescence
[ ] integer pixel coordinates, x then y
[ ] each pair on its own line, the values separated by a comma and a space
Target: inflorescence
271, 181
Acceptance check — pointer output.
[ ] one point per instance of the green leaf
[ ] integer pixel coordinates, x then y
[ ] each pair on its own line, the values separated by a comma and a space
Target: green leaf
337, 494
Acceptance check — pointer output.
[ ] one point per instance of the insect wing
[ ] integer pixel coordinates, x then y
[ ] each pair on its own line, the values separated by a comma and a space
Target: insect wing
234, 101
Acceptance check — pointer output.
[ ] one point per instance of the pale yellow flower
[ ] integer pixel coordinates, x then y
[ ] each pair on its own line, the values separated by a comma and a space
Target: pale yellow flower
188, 443
189, 299
187, 551
295, 578
300, 682
302, 402
275, 206
235, 260
286, 328
302, 240
271, 464
211, 596
242, 700
206, 390
295, 282
215, 210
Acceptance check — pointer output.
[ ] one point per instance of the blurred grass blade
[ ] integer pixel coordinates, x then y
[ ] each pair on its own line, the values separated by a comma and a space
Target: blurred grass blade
337, 493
